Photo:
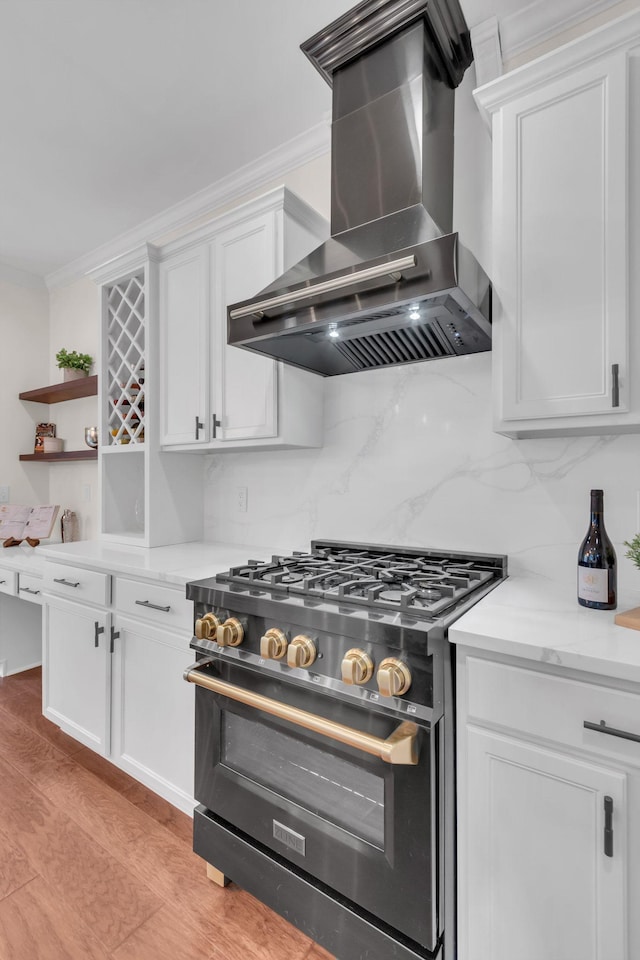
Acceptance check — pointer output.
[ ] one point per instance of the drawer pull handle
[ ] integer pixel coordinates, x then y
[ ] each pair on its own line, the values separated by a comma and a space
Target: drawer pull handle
608, 827
67, 583
611, 731
2, 581
152, 606
29, 590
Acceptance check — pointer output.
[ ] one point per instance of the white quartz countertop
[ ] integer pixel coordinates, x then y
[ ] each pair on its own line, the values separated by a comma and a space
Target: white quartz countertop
176, 564
23, 558
540, 621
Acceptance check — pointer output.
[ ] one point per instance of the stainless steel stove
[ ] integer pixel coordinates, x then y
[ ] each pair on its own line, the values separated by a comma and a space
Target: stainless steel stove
325, 742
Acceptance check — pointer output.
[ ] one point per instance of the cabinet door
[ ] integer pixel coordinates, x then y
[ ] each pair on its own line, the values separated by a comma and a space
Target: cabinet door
153, 710
184, 347
534, 877
560, 228
245, 388
76, 675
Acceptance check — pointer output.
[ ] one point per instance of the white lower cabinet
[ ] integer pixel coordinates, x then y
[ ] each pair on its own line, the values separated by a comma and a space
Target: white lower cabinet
153, 710
76, 671
548, 832
114, 682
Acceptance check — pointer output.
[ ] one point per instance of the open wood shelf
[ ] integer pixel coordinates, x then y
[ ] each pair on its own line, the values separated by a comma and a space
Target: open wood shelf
69, 390
58, 457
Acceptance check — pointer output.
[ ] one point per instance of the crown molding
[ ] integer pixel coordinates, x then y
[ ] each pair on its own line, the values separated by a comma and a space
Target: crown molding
253, 176
487, 51
541, 21
623, 33
21, 278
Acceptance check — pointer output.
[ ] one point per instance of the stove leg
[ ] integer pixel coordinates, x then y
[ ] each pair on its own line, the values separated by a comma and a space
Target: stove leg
217, 876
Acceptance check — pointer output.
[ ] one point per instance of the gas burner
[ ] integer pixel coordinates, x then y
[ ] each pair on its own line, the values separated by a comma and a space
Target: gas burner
396, 595
429, 593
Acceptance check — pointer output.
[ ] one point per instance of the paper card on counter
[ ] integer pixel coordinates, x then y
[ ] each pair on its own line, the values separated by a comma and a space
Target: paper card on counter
20, 522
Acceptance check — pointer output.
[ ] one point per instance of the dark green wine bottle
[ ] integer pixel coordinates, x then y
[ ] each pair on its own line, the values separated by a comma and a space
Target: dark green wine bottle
597, 581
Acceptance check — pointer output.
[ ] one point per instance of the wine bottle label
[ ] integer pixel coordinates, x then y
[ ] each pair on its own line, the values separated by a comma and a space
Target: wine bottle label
593, 584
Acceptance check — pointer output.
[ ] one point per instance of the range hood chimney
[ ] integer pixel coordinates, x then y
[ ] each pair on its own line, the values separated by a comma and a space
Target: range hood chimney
393, 284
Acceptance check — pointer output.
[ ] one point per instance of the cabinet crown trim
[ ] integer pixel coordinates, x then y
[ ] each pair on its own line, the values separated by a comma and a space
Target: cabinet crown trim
620, 34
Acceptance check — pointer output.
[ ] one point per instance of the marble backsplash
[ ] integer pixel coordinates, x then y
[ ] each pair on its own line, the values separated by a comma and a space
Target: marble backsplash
410, 458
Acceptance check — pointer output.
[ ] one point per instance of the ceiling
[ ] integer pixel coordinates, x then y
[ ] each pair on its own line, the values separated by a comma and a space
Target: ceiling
114, 110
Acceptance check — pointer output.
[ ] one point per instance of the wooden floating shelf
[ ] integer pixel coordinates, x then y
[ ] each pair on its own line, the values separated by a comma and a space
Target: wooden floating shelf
67, 390
60, 457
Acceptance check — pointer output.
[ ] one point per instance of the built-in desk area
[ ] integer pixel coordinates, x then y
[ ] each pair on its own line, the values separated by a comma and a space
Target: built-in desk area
20, 609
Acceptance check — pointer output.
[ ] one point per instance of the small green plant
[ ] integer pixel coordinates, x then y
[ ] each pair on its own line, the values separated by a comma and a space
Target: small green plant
76, 361
633, 553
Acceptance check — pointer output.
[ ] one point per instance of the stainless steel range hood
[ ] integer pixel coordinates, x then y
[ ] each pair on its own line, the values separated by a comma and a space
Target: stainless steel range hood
393, 284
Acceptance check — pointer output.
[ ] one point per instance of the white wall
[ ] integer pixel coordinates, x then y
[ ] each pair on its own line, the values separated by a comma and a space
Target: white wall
75, 325
23, 366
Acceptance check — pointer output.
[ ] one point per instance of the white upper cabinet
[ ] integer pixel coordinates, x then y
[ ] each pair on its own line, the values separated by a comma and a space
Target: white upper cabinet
218, 397
566, 209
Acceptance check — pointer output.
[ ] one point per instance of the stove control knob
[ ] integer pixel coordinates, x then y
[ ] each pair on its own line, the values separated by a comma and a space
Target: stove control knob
273, 645
206, 627
357, 667
230, 633
394, 677
301, 652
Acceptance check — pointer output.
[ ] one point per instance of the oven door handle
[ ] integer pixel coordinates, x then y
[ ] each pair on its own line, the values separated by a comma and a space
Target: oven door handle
400, 747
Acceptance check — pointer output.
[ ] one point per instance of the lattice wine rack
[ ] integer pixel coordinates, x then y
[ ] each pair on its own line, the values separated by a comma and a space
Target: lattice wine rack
125, 360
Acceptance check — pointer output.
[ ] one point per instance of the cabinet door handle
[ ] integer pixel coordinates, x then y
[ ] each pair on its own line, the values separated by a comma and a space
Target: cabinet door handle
97, 630
115, 635
199, 427
2, 581
152, 606
608, 826
214, 426
611, 731
615, 385
28, 590
67, 583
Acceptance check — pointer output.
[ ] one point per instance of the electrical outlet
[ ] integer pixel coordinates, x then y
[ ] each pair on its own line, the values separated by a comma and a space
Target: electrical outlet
86, 492
242, 494
4, 494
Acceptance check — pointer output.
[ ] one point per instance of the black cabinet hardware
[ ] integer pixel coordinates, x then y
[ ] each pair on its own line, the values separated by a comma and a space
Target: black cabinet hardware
152, 606
199, 427
97, 631
67, 583
615, 385
611, 731
608, 827
214, 425
28, 590
115, 635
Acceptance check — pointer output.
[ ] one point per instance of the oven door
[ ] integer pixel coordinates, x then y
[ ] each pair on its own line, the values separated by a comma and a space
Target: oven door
342, 790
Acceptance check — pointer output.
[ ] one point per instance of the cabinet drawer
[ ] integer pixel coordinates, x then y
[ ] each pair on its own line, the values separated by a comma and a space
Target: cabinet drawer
554, 708
75, 583
8, 581
165, 606
30, 587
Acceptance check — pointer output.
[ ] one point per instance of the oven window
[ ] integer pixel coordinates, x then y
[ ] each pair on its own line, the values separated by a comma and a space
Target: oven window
331, 787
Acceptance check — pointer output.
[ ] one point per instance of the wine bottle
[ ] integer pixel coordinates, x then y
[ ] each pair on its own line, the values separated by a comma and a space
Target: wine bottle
597, 562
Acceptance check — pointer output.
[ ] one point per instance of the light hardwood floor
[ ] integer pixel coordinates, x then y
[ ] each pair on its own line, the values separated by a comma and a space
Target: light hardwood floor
94, 866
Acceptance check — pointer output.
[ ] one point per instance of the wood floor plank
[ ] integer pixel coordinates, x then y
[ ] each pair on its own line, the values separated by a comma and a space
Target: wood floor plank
15, 869
35, 925
27, 708
36, 758
88, 879
160, 810
167, 935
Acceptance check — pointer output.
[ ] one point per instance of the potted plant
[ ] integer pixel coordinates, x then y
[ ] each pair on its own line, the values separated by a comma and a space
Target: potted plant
74, 365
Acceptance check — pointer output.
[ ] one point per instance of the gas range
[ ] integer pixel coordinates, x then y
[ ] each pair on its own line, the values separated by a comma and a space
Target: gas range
325, 745
394, 603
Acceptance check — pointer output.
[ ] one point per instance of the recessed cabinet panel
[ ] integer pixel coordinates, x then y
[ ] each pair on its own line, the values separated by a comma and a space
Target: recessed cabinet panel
561, 247
77, 672
539, 879
246, 262
184, 347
